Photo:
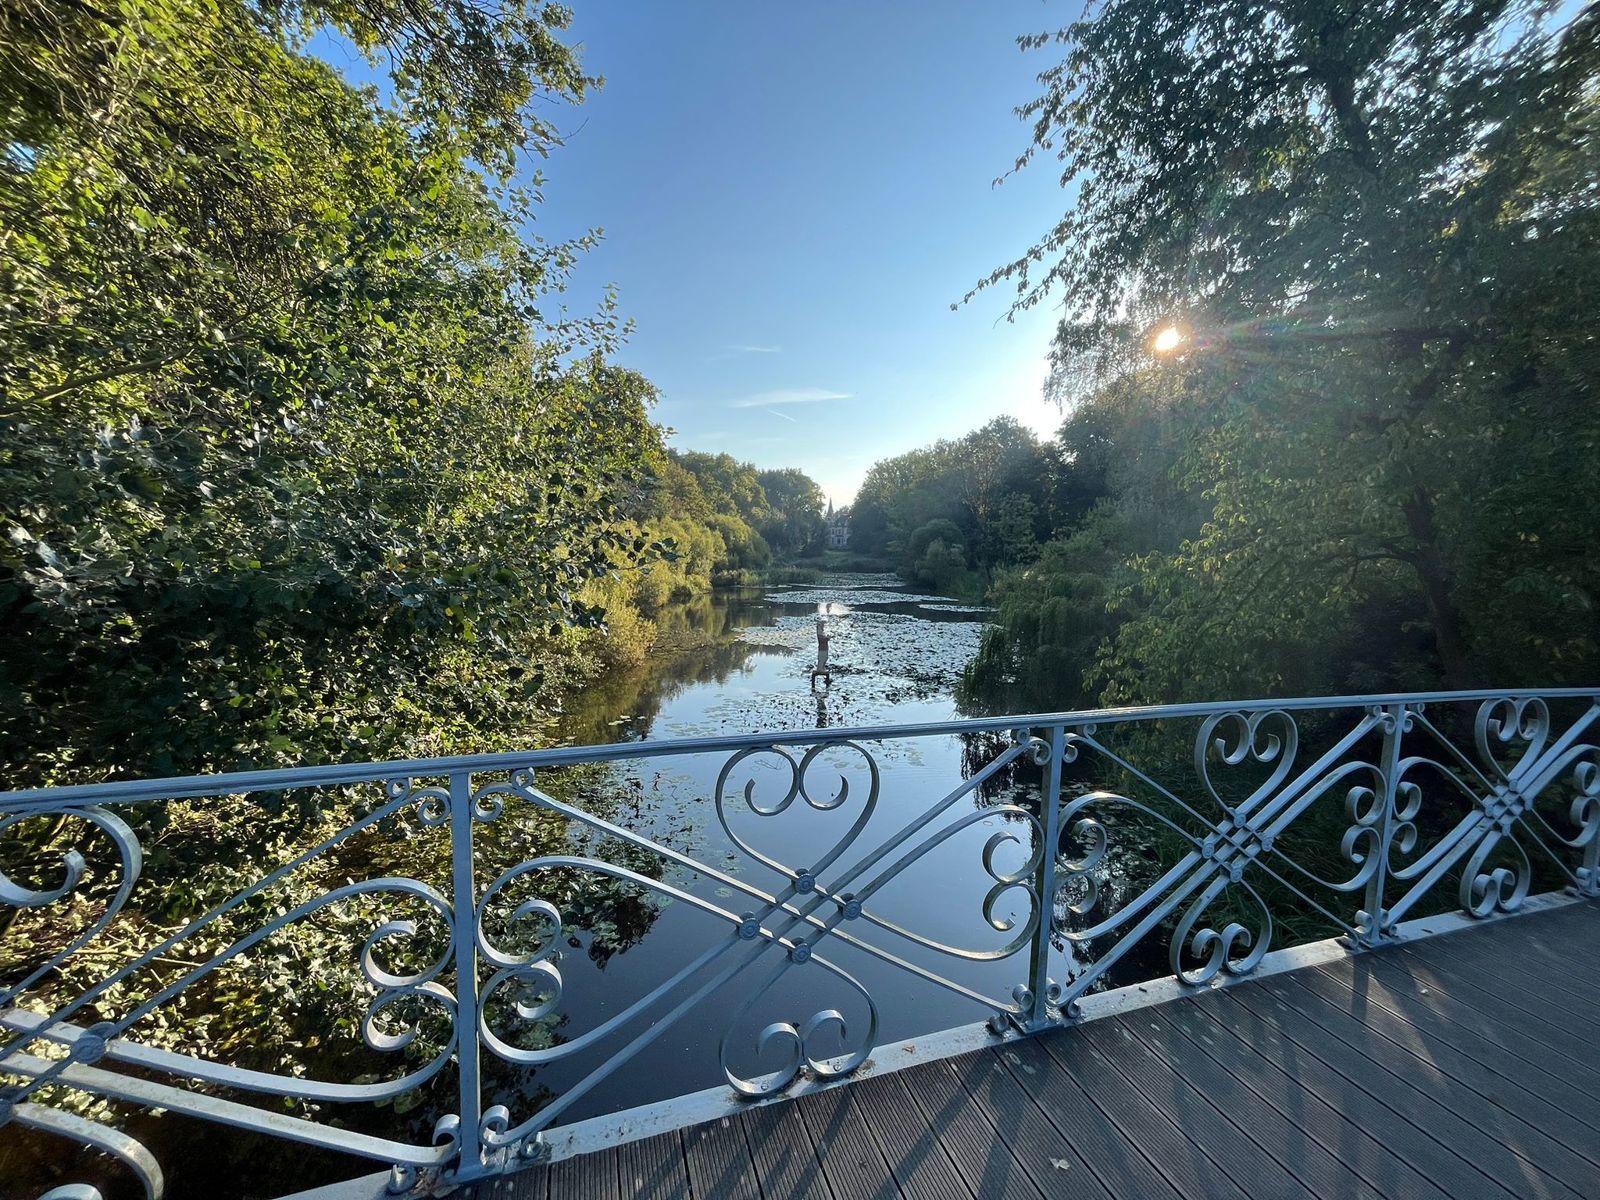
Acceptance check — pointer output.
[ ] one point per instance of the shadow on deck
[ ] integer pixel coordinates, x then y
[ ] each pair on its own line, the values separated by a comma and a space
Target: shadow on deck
1456, 1066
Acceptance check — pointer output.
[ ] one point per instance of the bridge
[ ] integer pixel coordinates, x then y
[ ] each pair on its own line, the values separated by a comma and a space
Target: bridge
1447, 1068
1337, 946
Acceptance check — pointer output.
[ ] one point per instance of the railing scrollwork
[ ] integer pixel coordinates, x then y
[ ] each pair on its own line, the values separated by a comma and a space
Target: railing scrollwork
1085, 847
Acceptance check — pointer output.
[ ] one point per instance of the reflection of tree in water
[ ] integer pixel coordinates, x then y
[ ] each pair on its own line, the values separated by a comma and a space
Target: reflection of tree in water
696, 642
1017, 782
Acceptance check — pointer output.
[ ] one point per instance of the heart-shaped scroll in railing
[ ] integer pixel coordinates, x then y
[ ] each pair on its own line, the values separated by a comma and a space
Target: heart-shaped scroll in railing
1271, 738
1217, 950
799, 786
1504, 801
1519, 724
403, 999
796, 920
802, 1043
1219, 853
814, 876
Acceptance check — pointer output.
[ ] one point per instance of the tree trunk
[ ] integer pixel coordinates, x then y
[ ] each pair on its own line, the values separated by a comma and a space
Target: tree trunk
1438, 589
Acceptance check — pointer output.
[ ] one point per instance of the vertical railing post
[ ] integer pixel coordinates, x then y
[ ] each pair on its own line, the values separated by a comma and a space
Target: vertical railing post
1374, 919
1039, 984
464, 905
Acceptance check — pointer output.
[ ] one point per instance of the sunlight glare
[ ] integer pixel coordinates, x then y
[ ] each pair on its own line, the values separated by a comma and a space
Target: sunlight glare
1168, 340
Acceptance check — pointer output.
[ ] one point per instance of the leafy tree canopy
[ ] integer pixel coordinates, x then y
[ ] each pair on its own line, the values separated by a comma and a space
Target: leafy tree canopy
1374, 226
293, 463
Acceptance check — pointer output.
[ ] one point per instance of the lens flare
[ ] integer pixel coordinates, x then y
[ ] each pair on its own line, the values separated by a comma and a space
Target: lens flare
1168, 340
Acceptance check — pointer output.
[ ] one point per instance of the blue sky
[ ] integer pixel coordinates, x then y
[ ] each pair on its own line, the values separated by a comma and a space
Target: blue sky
792, 196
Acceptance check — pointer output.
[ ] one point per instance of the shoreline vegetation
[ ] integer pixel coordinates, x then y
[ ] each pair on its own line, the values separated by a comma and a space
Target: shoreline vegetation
301, 458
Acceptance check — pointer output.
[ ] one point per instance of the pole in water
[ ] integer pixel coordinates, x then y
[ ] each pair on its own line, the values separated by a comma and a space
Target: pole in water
822, 648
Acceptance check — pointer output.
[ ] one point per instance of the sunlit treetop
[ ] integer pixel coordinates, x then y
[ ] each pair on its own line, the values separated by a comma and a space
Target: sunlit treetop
1308, 160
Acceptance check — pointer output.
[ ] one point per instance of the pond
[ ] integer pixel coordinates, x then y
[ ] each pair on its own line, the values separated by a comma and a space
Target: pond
739, 660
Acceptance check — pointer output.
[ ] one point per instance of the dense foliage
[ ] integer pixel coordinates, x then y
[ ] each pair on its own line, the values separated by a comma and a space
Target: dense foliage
1376, 228
298, 464
951, 514
294, 466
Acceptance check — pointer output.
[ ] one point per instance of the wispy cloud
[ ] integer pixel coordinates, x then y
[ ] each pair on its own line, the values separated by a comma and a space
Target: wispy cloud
788, 396
740, 348
785, 416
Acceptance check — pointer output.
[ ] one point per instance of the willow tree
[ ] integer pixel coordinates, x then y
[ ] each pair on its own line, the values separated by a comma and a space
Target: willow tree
1377, 224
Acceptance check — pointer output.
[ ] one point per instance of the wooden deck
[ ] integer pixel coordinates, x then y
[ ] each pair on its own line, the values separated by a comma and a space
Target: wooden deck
1459, 1066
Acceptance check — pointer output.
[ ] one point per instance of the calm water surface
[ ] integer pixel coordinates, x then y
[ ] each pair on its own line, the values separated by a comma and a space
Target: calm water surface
895, 655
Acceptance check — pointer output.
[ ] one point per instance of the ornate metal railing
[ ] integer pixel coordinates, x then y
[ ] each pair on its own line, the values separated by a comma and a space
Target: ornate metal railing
1073, 844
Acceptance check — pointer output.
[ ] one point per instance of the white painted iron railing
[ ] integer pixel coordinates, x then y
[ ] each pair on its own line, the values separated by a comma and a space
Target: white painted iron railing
1347, 813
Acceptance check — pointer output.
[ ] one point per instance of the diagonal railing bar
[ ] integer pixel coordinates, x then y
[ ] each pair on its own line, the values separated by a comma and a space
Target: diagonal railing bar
785, 917
1244, 833
1217, 861
1499, 809
192, 927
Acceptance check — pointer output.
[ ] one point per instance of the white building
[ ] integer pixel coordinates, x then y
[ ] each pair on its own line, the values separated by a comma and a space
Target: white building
838, 528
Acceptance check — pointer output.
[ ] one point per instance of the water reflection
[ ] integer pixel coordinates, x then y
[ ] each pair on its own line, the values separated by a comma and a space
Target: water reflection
737, 662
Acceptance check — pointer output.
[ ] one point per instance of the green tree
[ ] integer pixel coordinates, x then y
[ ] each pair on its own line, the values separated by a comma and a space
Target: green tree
795, 502
974, 483
1377, 226
289, 455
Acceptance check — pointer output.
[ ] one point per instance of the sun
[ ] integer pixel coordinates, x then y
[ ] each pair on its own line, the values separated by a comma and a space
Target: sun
1168, 340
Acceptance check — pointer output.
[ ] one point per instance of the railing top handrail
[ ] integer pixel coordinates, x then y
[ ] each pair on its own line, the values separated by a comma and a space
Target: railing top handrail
334, 774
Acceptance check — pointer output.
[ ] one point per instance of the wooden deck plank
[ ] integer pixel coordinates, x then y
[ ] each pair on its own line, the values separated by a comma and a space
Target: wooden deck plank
1447, 1067
1574, 1118
654, 1168
1424, 989
1431, 1114
1497, 953
786, 1160
1528, 994
1381, 988
1432, 1158
1470, 1006
587, 1177
1492, 1115
983, 1159
533, 1183
1336, 1129
719, 1162
1190, 1110
1557, 930
1118, 1163
1186, 1164
1170, 1061
1562, 944
922, 1167
851, 1159
1052, 1162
